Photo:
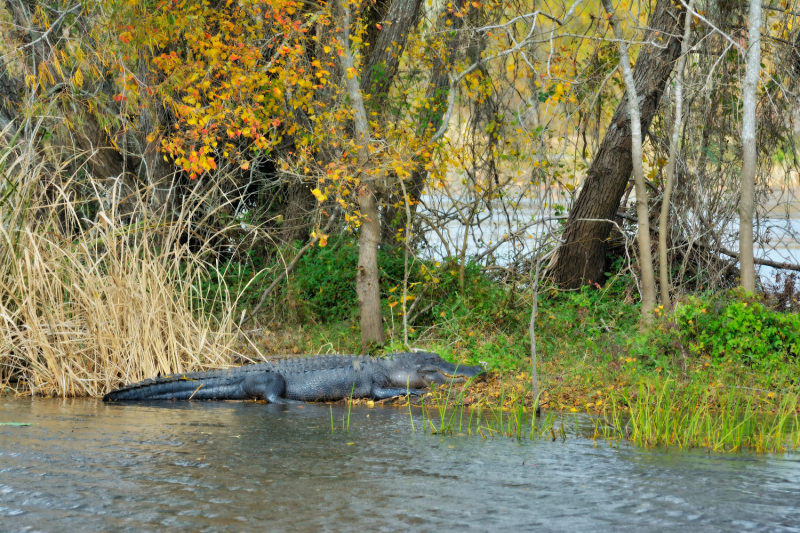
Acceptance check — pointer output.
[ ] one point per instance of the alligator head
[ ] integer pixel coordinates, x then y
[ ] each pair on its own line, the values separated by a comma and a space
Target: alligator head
418, 370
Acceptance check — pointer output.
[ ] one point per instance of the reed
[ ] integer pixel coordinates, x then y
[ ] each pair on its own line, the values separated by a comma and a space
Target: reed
650, 415
349, 409
486, 419
86, 306
720, 419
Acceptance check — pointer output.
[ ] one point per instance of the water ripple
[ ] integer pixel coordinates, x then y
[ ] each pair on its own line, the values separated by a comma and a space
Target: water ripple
221, 467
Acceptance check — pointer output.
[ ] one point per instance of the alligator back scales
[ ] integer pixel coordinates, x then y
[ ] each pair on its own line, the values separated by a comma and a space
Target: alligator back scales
326, 377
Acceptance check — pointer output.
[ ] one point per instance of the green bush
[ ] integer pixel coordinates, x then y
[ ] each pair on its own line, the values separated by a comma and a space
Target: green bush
325, 278
735, 325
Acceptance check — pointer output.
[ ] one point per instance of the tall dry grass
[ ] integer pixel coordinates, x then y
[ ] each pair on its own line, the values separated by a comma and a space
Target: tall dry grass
82, 312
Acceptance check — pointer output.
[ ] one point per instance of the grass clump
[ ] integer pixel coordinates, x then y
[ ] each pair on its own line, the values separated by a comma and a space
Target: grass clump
87, 310
664, 414
651, 414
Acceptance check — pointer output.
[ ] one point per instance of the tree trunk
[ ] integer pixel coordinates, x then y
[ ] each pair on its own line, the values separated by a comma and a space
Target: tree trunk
747, 199
299, 203
160, 176
581, 258
642, 205
378, 74
10, 99
430, 121
383, 61
367, 280
663, 221
107, 165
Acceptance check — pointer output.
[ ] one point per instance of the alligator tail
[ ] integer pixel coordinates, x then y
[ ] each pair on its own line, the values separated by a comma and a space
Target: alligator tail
197, 385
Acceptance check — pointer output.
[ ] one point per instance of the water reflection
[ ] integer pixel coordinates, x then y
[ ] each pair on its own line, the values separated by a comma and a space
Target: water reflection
229, 466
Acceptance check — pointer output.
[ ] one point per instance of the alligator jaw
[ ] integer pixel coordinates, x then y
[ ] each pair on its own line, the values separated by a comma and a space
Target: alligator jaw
462, 378
443, 372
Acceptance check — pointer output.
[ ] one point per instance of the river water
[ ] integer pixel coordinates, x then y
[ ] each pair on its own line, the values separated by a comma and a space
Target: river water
228, 466
778, 230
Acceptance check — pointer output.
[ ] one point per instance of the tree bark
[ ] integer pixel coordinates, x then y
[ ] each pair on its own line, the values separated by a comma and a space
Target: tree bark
10, 98
367, 279
581, 257
384, 59
663, 267
748, 186
642, 204
431, 119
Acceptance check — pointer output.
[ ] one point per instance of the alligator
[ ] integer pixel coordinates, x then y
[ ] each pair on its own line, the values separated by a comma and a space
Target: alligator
306, 379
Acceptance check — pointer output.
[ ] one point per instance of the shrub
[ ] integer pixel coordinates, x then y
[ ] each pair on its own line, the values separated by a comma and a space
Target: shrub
735, 325
325, 278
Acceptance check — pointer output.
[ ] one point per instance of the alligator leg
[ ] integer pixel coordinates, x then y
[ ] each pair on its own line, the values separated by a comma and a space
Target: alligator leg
267, 385
389, 392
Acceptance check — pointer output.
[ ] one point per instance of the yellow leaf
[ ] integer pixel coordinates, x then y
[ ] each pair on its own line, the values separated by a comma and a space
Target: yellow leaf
77, 78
